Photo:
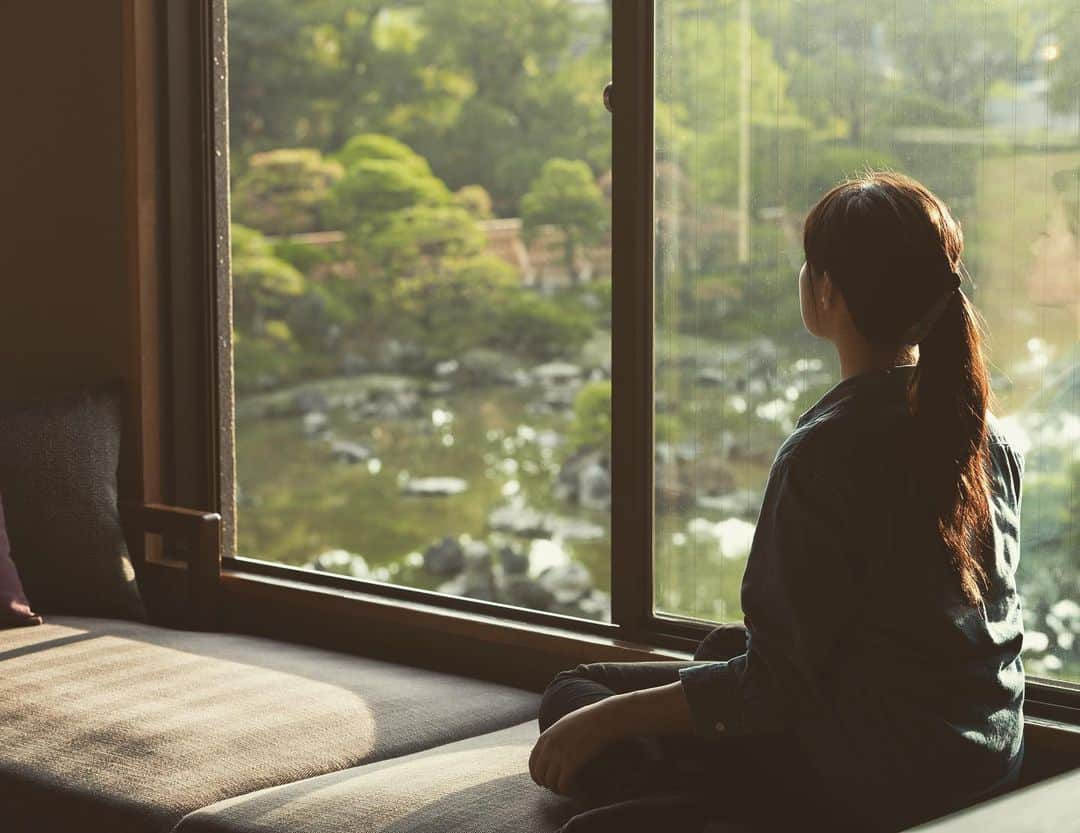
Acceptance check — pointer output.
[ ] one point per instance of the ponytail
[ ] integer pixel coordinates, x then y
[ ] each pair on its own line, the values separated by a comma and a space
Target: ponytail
950, 394
894, 249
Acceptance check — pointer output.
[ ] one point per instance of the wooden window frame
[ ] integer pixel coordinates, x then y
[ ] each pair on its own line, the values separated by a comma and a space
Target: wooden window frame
398, 622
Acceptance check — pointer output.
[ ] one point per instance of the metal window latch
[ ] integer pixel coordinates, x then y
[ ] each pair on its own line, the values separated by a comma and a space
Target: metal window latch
609, 96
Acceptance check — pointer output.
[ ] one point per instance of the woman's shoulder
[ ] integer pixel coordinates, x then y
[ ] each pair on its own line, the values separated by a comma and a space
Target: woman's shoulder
849, 434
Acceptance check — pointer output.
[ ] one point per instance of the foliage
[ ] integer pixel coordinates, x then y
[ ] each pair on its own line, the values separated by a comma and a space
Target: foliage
285, 191
373, 189
591, 425
263, 285
535, 327
565, 196
476, 200
367, 146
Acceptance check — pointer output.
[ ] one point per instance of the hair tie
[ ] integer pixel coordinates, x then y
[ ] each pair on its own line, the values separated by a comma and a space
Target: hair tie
925, 325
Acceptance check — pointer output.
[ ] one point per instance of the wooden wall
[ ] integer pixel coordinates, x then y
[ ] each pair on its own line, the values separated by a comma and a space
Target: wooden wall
64, 293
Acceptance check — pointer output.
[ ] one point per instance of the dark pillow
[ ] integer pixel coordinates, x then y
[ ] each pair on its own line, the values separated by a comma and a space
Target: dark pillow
14, 608
58, 463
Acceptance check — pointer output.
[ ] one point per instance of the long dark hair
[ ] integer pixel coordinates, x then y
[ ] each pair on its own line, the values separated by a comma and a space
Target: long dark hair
893, 249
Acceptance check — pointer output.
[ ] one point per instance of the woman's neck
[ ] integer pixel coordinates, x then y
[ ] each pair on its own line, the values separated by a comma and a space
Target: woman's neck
858, 356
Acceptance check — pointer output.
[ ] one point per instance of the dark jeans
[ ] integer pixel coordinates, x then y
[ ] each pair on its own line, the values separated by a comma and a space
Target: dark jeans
753, 778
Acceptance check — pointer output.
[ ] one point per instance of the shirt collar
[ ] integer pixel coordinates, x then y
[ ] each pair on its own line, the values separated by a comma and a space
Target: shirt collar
871, 381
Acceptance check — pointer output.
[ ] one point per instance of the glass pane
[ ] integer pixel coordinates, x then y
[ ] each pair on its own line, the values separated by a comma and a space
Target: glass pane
760, 108
421, 284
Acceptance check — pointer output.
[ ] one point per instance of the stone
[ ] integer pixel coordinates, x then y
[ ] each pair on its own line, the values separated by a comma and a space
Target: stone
315, 423
481, 366
307, 401
744, 503
575, 529
512, 561
519, 520
594, 487
525, 592
447, 368
444, 558
557, 373
566, 582
345, 451
434, 486
544, 554
477, 554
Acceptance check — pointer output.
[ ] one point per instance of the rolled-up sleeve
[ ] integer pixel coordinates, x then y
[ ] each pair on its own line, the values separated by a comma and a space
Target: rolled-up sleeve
713, 694
797, 592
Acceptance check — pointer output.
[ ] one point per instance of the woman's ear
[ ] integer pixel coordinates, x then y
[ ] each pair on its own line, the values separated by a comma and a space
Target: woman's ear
826, 292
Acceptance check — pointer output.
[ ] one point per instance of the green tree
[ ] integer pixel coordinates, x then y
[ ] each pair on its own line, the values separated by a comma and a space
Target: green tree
535, 70
263, 285
373, 188
319, 71
285, 191
476, 200
591, 426
565, 196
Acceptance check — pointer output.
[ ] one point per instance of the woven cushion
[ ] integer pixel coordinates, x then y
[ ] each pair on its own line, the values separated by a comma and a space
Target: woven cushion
58, 462
479, 784
127, 727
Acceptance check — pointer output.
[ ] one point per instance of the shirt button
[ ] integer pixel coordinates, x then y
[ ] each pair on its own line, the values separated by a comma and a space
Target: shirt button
720, 727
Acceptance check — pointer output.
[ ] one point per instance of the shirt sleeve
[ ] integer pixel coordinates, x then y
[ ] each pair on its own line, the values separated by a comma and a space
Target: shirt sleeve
799, 591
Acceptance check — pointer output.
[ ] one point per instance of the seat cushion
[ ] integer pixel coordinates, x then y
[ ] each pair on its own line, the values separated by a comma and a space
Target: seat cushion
481, 783
58, 462
115, 725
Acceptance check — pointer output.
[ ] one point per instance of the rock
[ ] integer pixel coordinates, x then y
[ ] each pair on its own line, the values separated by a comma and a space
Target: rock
477, 554
566, 582
434, 486
712, 377
557, 373
585, 475
544, 554
445, 558
733, 536
342, 562
349, 452
744, 503
594, 487
477, 580
594, 605
315, 423
525, 592
560, 398
480, 366
575, 529
512, 561
308, 401
447, 368
519, 520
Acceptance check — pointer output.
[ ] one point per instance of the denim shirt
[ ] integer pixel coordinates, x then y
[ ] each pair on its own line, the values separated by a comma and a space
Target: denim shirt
907, 701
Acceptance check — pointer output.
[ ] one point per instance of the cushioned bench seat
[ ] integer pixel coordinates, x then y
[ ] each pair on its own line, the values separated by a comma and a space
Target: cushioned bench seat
481, 783
115, 725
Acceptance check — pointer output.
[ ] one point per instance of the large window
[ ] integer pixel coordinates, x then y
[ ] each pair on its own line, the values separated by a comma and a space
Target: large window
422, 222
421, 275
760, 108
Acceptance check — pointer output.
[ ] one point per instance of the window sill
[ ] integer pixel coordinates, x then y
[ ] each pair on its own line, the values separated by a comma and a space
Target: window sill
516, 652
485, 644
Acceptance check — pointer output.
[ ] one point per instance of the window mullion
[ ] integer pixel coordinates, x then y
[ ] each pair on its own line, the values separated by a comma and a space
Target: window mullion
632, 317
